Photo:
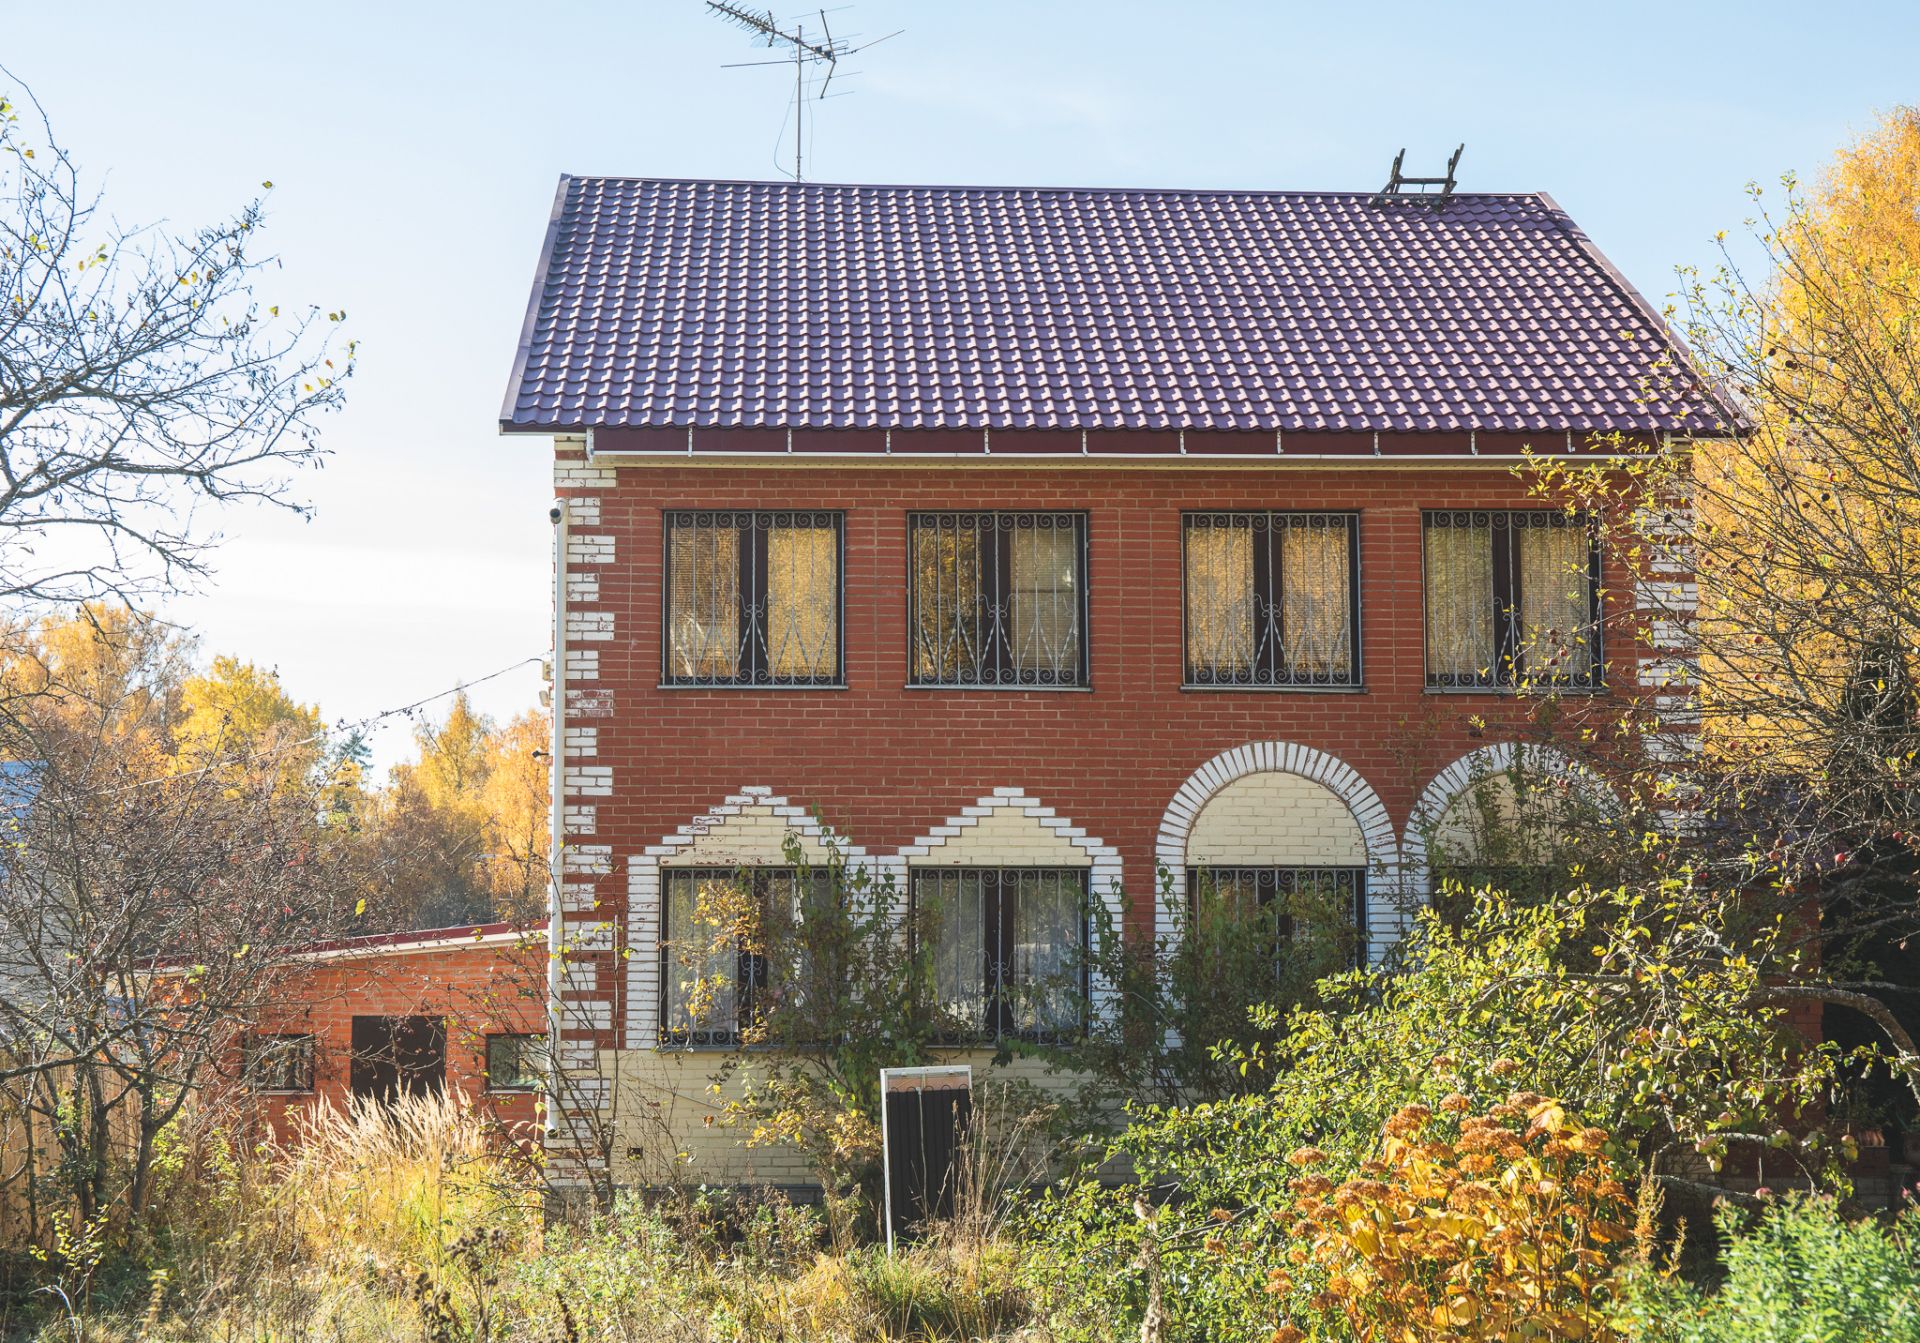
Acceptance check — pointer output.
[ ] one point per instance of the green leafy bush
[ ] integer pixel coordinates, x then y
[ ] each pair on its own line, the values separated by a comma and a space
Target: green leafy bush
1798, 1272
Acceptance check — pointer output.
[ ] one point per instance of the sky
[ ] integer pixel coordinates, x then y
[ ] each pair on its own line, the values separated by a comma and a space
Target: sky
414, 149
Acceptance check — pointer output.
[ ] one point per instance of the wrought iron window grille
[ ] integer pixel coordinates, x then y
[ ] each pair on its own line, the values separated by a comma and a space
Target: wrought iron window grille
1271, 600
715, 988
997, 599
752, 598
1512, 600
1008, 951
1274, 890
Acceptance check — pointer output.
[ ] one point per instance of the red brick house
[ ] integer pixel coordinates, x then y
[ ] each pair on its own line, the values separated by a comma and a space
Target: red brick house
372, 1017
1043, 541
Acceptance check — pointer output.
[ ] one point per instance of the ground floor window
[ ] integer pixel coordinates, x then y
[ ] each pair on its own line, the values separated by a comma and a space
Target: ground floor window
716, 968
1322, 906
1007, 947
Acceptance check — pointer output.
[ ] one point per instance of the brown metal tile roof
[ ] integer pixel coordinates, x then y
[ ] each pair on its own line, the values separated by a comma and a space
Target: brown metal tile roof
781, 305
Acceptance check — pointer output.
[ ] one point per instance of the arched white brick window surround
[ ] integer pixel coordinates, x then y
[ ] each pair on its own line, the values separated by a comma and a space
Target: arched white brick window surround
1282, 757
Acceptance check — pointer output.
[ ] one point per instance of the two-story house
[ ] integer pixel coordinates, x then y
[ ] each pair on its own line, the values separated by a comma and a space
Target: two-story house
1041, 542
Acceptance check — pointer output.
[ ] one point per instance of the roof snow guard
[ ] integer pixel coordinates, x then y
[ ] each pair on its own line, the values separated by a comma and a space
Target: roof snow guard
688, 304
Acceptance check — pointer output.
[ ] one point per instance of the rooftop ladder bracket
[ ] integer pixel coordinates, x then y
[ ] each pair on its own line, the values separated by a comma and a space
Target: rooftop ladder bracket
1434, 192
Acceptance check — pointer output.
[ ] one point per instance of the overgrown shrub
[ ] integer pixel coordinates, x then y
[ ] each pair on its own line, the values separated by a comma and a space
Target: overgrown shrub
1797, 1272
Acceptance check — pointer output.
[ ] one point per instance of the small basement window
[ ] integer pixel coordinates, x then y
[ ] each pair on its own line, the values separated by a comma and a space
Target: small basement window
516, 1062
277, 1063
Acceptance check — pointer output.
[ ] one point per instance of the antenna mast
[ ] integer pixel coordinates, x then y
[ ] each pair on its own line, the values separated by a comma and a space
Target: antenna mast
826, 50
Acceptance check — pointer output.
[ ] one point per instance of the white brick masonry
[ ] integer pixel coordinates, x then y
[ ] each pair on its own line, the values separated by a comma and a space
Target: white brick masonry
587, 936
1652, 594
588, 859
580, 476
578, 1056
750, 828
583, 664
1273, 819
588, 781
578, 897
589, 703
589, 550
592, 1014
582, 741
580, 820
1366, 813
1666, 672
584, 510
592, 626
579, 977
583, 586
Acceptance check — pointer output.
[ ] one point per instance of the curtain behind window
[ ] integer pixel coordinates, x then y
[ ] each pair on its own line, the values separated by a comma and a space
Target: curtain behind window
701, 977
1316, 606
803, 603
1460, 603
1046, 601
1220, 600
1555, 637
704, 601
953, 904
1045, 911
946, 601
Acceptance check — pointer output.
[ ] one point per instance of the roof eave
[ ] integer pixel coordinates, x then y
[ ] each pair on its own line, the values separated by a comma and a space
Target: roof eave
542, 269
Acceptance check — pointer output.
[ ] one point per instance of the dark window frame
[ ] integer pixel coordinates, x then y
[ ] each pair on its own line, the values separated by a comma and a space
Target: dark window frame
997, 941
752, 527
1266, 573
996, 670
751, 979
1505, 676
258, 1043
1268, 879
522, 1039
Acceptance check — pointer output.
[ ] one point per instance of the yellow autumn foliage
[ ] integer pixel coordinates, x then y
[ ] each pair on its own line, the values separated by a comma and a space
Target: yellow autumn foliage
1507, 1231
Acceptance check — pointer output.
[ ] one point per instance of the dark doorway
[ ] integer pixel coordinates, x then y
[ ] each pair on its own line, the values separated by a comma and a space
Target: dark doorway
394, 1056
926, 1131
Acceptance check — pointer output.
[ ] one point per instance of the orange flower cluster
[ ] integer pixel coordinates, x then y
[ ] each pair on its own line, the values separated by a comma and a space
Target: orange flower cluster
1509, 1231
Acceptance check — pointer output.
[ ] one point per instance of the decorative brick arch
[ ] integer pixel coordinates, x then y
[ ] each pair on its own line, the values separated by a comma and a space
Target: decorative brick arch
1483, 763
1284, 757
750, 804
1102, 860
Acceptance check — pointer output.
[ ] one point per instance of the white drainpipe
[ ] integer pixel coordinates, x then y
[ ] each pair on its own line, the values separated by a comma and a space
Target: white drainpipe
556, 834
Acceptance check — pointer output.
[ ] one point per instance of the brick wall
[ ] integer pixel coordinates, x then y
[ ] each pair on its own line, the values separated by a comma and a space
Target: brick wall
476, 988
1135, 769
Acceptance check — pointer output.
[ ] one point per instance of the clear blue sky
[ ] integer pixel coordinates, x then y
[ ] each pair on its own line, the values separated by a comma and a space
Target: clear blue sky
415, 146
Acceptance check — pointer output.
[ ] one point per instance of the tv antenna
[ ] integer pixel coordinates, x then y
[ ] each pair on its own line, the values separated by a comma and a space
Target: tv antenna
1433, 191
824, 50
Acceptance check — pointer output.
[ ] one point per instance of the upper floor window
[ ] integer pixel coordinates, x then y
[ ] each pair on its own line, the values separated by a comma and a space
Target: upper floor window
717, 936
752, 599
997, 599
277, 1062
1007, 948
1512, 600
1272, 600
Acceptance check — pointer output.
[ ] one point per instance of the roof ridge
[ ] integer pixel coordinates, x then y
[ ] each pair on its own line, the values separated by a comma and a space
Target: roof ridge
1037, 189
